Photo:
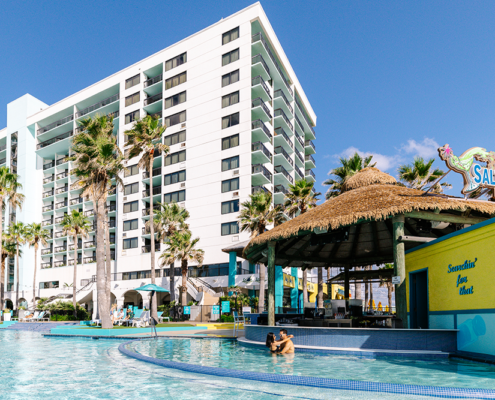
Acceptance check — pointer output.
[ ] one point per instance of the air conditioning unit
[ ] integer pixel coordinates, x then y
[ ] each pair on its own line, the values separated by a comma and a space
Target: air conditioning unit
183, 144
236, 172
182, 204
183, 125
125, 198
182, 185
182, 165
235, 238
235, 194
124, 235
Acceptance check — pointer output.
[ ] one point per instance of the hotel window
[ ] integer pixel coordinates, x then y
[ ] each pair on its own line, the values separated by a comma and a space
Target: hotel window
49, 285
230, 228
176, 61
175, 138
231, 77
132, 81
175, 158
131, 243
175, 100
230, 185
175, 80
132, 99
174, 197
230, 35
131, 170
230, 57
230, 120
130, 189
229, 142
230, 163
174, 177
131, 207
230, 99
130, 225
175, 119
131, 117
230, 206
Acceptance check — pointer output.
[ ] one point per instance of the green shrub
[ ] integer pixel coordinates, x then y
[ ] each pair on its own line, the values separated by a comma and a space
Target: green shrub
227, 318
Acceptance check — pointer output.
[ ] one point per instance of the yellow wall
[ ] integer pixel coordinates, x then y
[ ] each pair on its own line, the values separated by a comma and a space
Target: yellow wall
475, 245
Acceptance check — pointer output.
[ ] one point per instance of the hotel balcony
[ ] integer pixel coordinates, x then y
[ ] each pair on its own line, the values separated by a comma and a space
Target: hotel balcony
47, 222
72, 246
146, 211
89, 213
44, 252
260, 111
260, 89
310, 161
153, 104
153, 86
156, 174
89, 260
48, 165
62, 160
90, 244
56, 124
101, 106
157, 190
308, 129
147, 248
48, 179
280, 192
310, 176
281, 176
71, 262
309, 147
299, 141
76, 200
47, 208
256, 189
299, 159
282, 120
61, 204
56, 139
62, 175
58, 220
48, 193
60, 234
260, 132
299, 174
60, 249
283, 158
260, 154
281, 101
260, 67
46, 265
282, 139
260, 175
62, 189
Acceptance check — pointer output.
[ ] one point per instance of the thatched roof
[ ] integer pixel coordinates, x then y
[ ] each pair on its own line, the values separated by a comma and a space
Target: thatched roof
366, 214
368, 176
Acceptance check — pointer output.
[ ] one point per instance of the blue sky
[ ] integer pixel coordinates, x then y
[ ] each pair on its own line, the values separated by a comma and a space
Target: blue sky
391, 78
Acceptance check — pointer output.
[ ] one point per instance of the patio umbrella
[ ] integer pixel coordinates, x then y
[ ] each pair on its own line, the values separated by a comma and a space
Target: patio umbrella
152, 288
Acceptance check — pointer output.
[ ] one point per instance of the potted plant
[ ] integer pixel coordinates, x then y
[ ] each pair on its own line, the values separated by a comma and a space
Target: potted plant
6, 314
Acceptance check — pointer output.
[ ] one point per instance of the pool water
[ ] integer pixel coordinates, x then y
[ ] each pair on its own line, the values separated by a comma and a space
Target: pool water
232, 355
34, 367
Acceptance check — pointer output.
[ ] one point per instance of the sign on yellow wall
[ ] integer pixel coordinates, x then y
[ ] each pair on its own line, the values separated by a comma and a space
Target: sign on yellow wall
289, 281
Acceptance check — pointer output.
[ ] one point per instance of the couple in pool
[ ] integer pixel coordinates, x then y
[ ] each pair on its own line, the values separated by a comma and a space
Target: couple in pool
282, 346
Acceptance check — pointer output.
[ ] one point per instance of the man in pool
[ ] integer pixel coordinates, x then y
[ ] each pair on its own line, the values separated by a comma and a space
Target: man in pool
286, 347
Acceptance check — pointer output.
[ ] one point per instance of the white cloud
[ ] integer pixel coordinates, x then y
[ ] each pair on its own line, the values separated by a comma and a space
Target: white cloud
426, 149
383, 162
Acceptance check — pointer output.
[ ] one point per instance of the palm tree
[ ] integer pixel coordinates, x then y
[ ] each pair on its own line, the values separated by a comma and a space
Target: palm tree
256, 214
8, 250
18, 234
9, 187
420, 175
76, 224
36, 234
349, 167
169, 219
300, 199
97, 162
144, 139
181, 247
389, 285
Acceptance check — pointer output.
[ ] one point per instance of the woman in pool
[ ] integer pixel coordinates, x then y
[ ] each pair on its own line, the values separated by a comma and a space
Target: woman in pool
273, 344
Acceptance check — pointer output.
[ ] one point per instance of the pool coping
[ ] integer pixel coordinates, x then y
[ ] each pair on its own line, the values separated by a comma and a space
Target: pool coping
324, 383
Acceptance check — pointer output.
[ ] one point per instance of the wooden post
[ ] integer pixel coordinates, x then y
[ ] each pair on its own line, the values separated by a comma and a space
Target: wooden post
400, 270
347, 286
271, 283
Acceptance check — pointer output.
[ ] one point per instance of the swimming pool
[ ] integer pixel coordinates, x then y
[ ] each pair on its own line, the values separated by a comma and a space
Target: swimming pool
35, 367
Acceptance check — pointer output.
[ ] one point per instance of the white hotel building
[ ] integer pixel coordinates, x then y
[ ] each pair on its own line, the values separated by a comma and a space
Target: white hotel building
237, 121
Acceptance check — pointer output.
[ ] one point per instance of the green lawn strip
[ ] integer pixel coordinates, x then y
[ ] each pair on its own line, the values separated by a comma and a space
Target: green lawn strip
148, 327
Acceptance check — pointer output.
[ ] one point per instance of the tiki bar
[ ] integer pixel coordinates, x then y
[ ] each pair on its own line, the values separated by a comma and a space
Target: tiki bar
442, 250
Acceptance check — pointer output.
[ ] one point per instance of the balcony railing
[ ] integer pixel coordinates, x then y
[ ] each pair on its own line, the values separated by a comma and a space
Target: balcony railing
310, 143
280, 150
48, 208
153, 99
89, 213
62, 204
259, 36
89, 260
111, 223
280, 93
79, 261
280, 113
260, 81
58, 220
72, 246
299, 123
147, 248
3, 160
62, 160
46, 265
299, 172
88, 245
54, 140
281, 170
260, 169
57, 264
299, 155
62, 189
306, 118
155, 172
281, 189
48, 179
48, 165
44, 252
98, 105
76, 200
260, 103
60, 234
281, 132
259, 59
146, 211
299, 139
59, 249
258, 124
55, 124
258, 146
256, 189
47, 222
3, 147
62, 175
309, 157
152, 81
310, 173
112, 207
48, 193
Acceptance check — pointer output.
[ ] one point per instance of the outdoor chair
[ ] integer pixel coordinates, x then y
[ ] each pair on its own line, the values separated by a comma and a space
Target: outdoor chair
142, 321
238, 319
35, 315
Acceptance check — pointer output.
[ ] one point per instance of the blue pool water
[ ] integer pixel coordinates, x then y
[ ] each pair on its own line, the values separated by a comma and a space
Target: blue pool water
34, 367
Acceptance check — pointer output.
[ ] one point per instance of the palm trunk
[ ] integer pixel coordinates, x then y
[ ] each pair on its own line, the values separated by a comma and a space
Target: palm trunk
371, 295
320, 287
17, 283
184, 283
103, 301
358, 288
108, 280
366, 292
261, 297
2, 288
172, 282
154, 305
34, 276
74, 280
305, 287
389, 287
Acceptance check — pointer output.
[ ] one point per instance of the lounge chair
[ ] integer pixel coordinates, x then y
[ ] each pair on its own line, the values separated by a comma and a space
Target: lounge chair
142, 321
35, 315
